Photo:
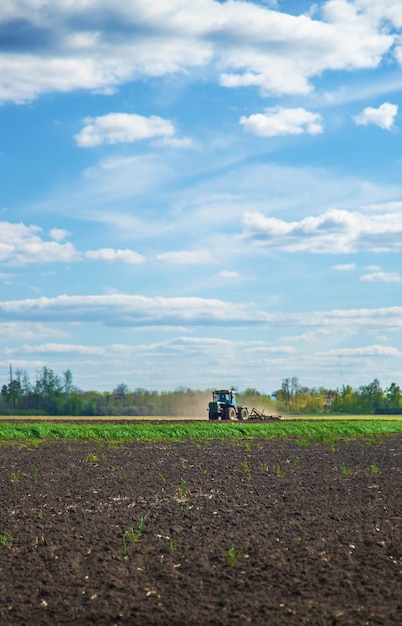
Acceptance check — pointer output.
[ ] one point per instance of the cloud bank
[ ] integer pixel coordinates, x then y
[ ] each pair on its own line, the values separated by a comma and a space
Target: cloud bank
98, 46
332, 232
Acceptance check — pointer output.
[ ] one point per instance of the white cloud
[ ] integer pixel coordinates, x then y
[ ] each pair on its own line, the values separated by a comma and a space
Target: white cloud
22, 245
334, 231
372, 268
344, 267
56, 348
381, 277
175, 142
187, 257
122, 128
383, 117
58, 234
375, 350
138, 310
270, 349
228, 274
109, 255
130, 310
98, 46
29, 331
280, 121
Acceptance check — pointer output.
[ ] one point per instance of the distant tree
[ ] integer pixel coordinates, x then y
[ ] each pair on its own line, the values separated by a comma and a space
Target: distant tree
370, 397
68, 382
121, 390
393, 397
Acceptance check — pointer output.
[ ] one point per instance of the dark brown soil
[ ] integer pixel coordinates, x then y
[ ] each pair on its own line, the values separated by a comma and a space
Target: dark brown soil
243, 532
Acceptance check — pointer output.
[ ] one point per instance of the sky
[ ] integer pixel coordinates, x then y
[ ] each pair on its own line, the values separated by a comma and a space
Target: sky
201, 194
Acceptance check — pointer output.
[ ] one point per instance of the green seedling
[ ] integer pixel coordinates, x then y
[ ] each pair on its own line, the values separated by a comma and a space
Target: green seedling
182, 492
247, 447
163, 478
279, 471
91, 458
15, 476
344, 469
263, 466
245, 466
171, 545
133, 535
7, 540
233, 556
374, 468
297, 463
35, 475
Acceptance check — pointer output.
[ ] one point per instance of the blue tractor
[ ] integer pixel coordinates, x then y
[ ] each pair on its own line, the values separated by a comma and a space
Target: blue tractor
224, 406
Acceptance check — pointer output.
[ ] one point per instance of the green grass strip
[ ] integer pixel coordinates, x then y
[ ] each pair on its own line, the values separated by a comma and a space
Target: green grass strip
316, 431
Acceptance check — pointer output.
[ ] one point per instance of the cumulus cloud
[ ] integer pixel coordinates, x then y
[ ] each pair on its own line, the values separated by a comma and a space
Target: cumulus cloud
122, 128
109, 255
280, 121
334, 231
99, 46
186, 257
58, 234
381, 277
383, 117
23, 245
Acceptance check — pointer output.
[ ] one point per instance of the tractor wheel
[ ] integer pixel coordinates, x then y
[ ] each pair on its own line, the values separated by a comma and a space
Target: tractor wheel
231, 413
213, 416
243, 414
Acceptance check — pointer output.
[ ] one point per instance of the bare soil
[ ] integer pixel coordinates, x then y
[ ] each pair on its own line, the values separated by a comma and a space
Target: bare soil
249, 531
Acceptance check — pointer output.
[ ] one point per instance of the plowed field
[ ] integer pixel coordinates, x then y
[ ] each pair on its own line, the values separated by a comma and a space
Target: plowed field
246, 531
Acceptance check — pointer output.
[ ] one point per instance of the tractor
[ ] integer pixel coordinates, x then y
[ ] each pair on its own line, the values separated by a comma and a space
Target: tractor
224, 406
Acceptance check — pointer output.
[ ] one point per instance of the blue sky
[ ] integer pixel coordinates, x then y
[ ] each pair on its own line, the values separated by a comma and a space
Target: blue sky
201, 193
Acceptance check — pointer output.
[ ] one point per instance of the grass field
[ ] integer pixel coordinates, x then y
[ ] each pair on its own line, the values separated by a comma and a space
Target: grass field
308, 430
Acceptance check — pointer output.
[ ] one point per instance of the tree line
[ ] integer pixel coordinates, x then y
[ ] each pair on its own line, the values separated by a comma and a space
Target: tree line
365, 400
53, 394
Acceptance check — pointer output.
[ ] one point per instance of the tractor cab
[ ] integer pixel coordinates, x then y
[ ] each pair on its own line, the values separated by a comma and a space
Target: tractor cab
224, 406
225, 397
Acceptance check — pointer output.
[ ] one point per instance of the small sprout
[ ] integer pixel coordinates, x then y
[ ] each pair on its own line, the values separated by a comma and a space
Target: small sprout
163, 478
7, 540
297, 463
35, 475
132, 535
279, 471
247, 447
181, 493
263, 466
233, 556
245, 466
91, 458
374, 468
171, 545
344, 469
15, 476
